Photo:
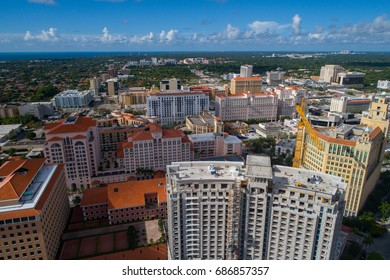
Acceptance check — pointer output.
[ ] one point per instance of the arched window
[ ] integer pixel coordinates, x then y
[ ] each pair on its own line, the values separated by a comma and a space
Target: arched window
79, 143
55, 145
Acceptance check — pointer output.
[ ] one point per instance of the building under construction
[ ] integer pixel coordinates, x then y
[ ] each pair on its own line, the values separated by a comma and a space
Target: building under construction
352, 152
231, 210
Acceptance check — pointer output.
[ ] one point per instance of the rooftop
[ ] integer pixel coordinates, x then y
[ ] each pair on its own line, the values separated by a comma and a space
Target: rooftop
201, 170
347, 134
70, 125
307, 179
259, 166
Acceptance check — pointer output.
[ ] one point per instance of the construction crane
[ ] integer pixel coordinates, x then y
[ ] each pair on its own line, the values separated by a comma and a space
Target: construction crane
304, 124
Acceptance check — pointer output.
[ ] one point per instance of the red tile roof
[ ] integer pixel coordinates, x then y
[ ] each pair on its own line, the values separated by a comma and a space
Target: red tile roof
247, 79
94, 196
17, 175
82, 124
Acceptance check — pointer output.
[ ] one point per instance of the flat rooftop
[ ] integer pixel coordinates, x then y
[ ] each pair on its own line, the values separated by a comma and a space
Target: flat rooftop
307, 179
347, 131
259, 166
201, 170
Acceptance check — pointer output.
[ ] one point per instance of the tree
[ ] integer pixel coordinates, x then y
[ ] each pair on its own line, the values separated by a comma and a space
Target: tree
375, 256
30, 135
368, 240
366, 220
76, 200
384, 209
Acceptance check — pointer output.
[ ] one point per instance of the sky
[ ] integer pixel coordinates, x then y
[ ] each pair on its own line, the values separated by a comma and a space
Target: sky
194, 25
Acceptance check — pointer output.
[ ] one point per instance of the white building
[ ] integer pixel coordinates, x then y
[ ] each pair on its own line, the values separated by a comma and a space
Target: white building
170, 85
40, 110
246, 71
275, 78
73, 99
247, 106
215, 144
228, 210
329, 73
383, 84
173, 107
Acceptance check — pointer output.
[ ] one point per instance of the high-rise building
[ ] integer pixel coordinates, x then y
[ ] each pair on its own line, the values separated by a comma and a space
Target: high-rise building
241, 85
246, 71
228, 210
112, 87
75, 142
351, 78
275, 78
352, 152
329, 73
95, 84
34, 209
170, 85
173, 107
247, 106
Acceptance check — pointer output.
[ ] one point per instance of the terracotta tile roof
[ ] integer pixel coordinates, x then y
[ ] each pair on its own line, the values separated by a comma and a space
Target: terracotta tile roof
55, 139
157, 252
159, 174
335, 140
79, 137
94, 196
247, 79
18, 175
375, 133
42, 200
359, 101
82, 124
132, 193
147, 135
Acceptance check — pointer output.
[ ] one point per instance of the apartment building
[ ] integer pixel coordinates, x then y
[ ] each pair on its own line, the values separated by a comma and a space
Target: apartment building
240, 85
208, 145
153, 149
133, 97
247, 106
73, 99
232, 210
173, 107
352, 152
204, 123
170, 85
125, 202
75, 142
275, 78
34, 209
8, 111
350, 105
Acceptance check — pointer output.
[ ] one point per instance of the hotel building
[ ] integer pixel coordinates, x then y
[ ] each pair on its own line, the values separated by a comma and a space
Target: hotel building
240, 85
352, 152
228, 210
34, 209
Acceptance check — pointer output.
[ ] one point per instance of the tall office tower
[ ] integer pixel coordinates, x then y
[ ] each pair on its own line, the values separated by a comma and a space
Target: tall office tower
34, 209
241, 85
228, 210
170, 85
112, 87
173, 107
329, 73
75, 142
275, 78
246, 71
95, 84
352, 152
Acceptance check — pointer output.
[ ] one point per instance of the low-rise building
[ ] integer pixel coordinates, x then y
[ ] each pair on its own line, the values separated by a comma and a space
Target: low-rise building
285, 146
349, 105
73, 99
8, 131
34, 209
204, 123
236, 127
41, 110
125, 202
383, 84
351, 78
8, 111
271, 129
214, 144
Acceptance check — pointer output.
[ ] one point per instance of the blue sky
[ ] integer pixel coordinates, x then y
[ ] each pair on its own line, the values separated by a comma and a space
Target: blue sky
198, 25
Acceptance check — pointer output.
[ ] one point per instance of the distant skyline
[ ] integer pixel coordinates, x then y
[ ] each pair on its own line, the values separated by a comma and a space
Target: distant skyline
203, 25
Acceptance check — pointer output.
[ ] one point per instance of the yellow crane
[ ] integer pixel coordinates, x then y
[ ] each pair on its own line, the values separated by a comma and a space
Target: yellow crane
304, 124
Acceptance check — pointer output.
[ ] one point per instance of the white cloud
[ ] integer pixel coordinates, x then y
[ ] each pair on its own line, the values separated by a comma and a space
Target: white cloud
232, 32
45, 35
296, 24
168, 36
107, 37
264, 26
45, 2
